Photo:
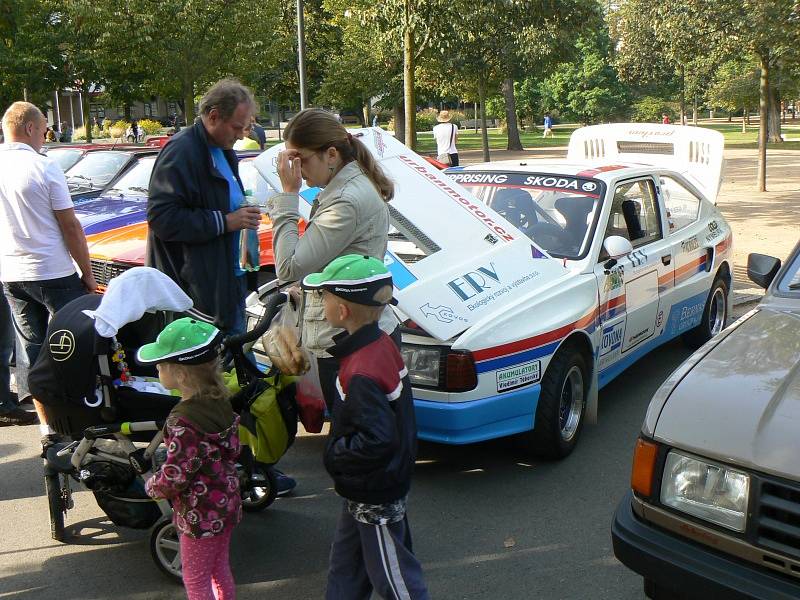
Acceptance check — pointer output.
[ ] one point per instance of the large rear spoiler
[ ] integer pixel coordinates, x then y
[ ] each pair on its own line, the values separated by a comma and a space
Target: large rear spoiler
695, 152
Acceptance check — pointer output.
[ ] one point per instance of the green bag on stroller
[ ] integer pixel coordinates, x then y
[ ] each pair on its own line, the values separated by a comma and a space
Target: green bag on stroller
268, 414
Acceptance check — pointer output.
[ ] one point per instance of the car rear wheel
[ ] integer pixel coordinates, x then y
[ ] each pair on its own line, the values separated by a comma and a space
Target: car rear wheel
715, 316
561, 407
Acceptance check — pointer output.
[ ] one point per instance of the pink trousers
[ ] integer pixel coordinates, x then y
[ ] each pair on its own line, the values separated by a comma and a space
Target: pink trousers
206, 568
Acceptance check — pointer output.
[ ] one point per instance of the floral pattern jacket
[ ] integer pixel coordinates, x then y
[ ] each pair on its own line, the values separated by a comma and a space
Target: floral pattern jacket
199, 477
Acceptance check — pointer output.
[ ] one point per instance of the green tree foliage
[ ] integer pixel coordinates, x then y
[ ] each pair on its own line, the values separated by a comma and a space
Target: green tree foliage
586, 89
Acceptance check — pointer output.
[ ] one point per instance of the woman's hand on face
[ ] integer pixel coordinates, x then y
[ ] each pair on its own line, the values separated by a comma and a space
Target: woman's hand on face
289, 171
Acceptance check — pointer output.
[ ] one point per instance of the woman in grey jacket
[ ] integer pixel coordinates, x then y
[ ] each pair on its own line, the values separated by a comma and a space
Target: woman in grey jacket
349, 216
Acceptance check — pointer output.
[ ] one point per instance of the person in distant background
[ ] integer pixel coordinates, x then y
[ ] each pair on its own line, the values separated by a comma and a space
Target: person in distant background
446, 135
257, 133
665, 119
548, 125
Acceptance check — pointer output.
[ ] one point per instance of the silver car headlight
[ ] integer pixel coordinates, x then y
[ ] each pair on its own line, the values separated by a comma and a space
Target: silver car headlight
423, 363
706, 490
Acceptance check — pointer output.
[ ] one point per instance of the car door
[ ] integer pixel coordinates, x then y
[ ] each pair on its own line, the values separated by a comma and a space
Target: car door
630, 311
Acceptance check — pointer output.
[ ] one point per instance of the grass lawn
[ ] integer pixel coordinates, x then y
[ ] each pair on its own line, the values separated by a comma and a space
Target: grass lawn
469, 140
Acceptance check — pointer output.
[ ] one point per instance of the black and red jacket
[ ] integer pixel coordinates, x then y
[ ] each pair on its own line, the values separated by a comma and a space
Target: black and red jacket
373, 442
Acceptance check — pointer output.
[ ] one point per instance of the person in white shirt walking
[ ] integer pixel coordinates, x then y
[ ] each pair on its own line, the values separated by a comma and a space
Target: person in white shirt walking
40, 236
446, 134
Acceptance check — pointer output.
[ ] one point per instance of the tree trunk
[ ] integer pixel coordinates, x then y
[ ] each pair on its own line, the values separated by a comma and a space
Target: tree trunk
774, 118
694, 111
365, 111
187, 91
87, 120
126, 111
763, 105
683, 97
744, 120
476, 116
408, 78
400, 122
514, 142
484, 133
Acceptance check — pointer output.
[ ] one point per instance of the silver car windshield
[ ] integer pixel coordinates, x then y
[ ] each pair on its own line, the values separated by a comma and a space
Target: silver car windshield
790, 281
137, 180
98, 167
559, 217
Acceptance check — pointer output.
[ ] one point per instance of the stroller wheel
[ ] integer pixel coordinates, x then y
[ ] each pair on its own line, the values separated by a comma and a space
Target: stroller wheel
261, 490
166, 550
56, 505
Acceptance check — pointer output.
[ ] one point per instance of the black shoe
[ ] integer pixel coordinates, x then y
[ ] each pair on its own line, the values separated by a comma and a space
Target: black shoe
17, 416
49, 440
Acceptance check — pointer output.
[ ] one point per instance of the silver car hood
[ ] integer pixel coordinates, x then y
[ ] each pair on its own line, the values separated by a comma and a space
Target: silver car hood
741, 403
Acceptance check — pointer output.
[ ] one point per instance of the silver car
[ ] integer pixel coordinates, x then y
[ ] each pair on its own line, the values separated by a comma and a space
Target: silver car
714, 509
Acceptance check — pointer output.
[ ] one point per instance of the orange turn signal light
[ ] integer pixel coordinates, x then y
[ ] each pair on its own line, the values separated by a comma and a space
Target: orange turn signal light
644, 466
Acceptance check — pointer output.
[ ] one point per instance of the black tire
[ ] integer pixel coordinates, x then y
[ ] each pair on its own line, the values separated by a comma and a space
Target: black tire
55, 504
258, 497
562, 406
166, 551
715, 316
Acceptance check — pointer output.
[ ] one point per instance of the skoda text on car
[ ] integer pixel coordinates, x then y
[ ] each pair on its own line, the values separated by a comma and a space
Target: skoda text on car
513, 323
714, 509
115, 223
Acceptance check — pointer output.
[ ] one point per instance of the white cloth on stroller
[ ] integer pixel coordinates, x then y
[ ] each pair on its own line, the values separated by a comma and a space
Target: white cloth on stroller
133, 293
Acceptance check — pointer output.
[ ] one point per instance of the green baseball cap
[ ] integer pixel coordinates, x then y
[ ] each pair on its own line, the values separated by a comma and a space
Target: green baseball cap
185, 341
353, 277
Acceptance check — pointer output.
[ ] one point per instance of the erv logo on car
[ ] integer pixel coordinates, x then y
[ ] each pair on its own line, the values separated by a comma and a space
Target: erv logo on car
472, 283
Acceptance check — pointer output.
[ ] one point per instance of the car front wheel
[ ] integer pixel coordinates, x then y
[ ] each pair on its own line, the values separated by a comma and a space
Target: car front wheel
561, 407
715, 316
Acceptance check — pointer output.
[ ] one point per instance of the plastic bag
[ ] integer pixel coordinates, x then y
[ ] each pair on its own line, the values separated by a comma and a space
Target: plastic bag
249, 249
310, 401
283, 348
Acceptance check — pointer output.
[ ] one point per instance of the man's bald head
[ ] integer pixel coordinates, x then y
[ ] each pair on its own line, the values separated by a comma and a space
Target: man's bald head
24, 122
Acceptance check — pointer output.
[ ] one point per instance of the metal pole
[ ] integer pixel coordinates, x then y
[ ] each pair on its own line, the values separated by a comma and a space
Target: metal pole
57, 118
80, 105
71, 114
301, 55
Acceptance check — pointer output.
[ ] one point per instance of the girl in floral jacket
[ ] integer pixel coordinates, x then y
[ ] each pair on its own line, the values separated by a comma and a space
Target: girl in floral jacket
199, 475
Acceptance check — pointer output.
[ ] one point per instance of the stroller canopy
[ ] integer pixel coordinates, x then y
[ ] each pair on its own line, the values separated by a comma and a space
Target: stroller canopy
66, 369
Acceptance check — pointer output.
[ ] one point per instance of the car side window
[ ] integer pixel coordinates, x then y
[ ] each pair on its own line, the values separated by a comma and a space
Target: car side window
683, 207
634, 213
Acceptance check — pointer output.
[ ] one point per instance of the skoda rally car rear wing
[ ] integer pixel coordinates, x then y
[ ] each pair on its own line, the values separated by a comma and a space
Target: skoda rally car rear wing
693, 151
474, 263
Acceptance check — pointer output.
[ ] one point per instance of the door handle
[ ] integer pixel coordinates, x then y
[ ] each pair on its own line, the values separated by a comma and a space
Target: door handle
665, 260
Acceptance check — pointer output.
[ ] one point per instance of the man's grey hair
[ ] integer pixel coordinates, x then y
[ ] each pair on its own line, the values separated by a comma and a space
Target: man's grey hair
226, 95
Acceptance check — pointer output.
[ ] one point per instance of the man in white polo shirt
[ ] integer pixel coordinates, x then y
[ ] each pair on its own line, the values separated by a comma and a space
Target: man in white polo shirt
39, 238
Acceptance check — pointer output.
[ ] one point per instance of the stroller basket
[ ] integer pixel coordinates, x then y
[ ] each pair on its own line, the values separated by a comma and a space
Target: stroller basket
130, 508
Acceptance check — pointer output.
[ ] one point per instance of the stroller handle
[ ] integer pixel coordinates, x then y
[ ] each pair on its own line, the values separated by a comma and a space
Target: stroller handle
271, 308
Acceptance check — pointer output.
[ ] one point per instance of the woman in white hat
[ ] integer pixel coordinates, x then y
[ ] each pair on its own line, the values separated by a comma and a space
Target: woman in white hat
446, 134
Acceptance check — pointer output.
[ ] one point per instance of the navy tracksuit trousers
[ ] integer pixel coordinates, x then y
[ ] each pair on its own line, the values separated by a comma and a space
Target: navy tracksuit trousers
366, 557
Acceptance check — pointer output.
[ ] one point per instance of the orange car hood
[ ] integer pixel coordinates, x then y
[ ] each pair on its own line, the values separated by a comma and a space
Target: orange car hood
128, 244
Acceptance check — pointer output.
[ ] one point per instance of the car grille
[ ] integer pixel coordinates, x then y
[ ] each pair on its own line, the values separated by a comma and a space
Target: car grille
105, 270
777, 523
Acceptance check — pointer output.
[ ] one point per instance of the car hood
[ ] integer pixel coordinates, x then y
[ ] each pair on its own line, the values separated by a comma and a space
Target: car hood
110, 212
741, 403
124, 244
474, 264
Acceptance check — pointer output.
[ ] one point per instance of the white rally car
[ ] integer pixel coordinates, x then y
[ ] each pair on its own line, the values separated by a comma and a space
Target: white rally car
525, 287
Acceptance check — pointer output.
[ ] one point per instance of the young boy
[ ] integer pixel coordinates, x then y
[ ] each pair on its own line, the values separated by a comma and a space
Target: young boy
373, 442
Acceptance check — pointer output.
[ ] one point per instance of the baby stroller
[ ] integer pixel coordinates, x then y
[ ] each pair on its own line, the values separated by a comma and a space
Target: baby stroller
114, 419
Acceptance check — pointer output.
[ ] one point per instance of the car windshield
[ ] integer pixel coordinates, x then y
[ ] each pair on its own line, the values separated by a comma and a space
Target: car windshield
790, 281
557, 212
97, 168
136, 181
65, 157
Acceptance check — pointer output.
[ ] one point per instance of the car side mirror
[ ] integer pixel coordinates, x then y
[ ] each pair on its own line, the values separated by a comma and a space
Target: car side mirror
761, 269
617, 246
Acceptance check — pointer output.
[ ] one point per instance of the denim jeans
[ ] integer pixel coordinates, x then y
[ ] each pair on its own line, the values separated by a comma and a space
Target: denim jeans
6, 350
32, 304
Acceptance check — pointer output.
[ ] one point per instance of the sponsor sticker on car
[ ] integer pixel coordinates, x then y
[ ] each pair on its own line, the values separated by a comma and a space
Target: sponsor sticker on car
519, 376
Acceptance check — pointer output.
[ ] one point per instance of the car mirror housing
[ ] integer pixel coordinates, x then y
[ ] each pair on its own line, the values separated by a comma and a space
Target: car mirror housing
762, 268
617, 246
